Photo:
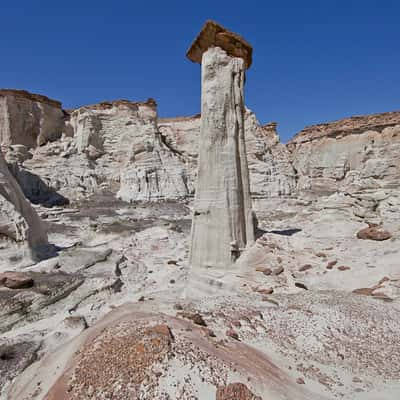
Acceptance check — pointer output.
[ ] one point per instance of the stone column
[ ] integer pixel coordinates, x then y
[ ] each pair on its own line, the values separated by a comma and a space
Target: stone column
223, 221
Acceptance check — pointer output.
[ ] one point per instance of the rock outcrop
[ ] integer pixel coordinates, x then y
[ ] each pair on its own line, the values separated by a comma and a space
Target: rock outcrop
18, 220
352, 154
29, 119
129, 150
123, 147
235, 391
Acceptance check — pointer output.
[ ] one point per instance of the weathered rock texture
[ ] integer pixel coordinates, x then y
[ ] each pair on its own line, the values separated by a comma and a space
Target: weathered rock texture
223, 220
357, 153
350, 154
29, 119
235, 391
270, 166
123, 147
18, 220
214, 35
129, 150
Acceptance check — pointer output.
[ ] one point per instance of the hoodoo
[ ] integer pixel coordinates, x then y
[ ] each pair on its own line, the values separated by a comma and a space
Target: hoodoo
223, 220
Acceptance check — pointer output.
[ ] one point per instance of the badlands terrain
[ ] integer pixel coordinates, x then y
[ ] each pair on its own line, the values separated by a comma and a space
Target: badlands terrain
98, 300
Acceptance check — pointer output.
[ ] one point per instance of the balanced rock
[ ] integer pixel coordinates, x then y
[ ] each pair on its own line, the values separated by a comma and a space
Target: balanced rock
223, 220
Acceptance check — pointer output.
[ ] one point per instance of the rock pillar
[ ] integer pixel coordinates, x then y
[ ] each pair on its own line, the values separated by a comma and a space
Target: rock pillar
18, 219
223, 221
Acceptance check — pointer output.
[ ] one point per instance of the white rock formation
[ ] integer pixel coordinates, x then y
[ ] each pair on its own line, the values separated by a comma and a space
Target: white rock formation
29, 119
18, 220
270, 165
357, 153
271, 171
130, 151
223, 221
352, 154
123, 147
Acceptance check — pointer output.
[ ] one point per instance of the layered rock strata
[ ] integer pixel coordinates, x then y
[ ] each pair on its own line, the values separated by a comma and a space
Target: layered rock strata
270, 165
29, 119
124, 147
129, 150
357, 153
352, 154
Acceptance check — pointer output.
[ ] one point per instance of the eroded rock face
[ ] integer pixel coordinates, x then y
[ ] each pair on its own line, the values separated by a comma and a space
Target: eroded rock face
14, 358
18, 220
270, 165
57, 174
222, 221
123, 147
352, 154
129, 150
29, 119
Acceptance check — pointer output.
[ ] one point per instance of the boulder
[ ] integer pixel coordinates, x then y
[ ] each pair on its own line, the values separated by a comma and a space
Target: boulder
15, 280
374, 233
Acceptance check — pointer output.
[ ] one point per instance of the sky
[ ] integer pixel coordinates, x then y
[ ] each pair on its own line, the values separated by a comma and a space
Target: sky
313, 61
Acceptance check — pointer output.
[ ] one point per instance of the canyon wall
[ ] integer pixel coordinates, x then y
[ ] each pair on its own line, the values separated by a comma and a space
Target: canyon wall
123, 147
356, 153
351, 154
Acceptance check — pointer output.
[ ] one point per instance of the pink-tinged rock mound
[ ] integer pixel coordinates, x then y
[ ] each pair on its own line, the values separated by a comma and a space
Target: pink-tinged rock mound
131, 355
374, 233
236, 391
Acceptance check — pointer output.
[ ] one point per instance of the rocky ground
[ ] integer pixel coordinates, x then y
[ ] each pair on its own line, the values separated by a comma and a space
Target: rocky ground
312, 310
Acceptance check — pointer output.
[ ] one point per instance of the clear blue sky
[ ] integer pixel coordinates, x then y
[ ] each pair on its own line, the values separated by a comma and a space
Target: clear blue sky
314, 61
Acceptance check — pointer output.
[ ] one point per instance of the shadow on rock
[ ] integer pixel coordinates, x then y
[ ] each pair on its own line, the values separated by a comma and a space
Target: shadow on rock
36, 189
285, 232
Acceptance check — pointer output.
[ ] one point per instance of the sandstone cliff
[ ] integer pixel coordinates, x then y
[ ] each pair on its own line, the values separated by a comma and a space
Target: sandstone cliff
129, 150
29, 119
352, 154
271, 171
124, 147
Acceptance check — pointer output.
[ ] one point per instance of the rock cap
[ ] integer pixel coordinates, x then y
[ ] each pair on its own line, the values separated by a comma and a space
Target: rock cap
214, 35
